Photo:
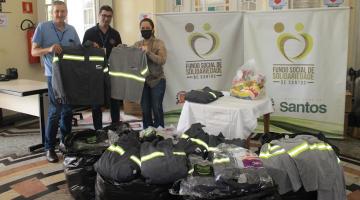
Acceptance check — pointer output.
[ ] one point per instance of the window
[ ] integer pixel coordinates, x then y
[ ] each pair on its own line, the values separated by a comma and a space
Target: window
81, 14
178, 2
48, 9
211, 5
305, 4
247, 5
89, 14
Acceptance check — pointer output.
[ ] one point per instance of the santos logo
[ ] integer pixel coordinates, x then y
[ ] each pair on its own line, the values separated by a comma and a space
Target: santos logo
301, 38
304, 108
208, 36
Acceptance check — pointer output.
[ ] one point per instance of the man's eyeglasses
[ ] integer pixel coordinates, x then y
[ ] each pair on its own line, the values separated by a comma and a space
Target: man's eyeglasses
106, 16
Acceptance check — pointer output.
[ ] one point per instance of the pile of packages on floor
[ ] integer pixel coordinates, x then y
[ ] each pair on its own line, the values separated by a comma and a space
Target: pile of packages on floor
120, 163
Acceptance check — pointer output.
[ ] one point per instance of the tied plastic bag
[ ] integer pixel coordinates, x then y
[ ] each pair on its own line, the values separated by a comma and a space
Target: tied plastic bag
137, 189
80, 175
83, 149
248, 83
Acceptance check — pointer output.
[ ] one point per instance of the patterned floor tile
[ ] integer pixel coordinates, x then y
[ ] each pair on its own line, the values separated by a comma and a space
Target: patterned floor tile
350, 170
29, 187
11, 194
354, 195
53, 179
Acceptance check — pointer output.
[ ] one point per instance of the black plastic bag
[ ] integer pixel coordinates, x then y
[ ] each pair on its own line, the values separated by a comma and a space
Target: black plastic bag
134, 190
114, 131
82, 150
88, 142
300, 195
221, 192
80, 175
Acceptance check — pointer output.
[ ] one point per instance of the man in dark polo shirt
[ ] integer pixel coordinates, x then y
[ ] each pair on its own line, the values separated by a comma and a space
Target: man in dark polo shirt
103, 36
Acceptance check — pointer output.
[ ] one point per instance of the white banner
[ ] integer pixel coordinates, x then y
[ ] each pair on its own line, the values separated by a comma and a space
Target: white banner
204, 49
304, 57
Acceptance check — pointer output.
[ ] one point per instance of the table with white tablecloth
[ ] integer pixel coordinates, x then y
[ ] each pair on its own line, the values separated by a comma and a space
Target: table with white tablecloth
233, 117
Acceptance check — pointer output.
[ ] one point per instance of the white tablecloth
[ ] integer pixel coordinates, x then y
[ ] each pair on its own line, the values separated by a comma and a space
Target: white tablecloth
234, 117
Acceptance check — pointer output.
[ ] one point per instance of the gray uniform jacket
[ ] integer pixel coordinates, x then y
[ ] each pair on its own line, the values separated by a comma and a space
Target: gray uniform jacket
156, 59
282, 169
328, 172
316, 163
127, 70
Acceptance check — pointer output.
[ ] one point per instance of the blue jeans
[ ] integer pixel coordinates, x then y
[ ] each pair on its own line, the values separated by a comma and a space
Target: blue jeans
151, 103
56, 111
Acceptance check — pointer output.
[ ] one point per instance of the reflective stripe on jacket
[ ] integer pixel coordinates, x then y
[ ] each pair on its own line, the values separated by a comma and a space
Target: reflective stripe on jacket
78, 76
128, 70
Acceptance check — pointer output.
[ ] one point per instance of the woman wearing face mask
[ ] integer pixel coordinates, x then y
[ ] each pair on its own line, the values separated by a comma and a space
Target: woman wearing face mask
155, 84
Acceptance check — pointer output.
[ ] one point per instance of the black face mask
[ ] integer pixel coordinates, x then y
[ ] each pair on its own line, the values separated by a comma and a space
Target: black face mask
146, 34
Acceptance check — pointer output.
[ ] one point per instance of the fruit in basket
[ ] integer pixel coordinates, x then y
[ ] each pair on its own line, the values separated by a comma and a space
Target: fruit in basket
246, 90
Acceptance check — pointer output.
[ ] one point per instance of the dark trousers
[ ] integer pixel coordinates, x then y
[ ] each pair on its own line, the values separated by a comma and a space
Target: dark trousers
114, 113
56, 112
151, 104
97, 116
115, 110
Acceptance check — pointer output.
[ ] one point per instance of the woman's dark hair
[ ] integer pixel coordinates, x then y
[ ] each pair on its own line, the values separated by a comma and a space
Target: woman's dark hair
151, 24
147, 20
106, 8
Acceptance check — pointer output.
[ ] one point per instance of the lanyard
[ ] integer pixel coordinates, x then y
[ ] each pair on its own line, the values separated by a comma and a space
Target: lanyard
104, 40
61, 37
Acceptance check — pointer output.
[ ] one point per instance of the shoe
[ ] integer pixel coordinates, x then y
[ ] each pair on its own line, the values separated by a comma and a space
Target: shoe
62, 147
51, 156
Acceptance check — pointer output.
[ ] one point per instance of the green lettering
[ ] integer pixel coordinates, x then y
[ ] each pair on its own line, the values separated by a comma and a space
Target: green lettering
323, 108
300, 106
314, 110
292, 107
283, 107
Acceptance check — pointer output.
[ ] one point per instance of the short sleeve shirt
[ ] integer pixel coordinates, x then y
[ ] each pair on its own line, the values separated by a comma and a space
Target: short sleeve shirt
46, 34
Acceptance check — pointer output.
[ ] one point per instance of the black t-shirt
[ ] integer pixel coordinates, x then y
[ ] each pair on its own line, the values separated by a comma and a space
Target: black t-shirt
108, 40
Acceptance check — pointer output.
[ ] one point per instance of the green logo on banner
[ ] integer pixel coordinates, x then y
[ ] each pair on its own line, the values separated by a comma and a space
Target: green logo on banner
207, 35
285, 37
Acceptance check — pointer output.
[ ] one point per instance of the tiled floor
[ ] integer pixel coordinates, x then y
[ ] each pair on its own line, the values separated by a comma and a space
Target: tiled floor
32, 177
348, 146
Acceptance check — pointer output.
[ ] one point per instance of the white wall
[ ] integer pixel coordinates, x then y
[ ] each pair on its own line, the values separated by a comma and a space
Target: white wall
13, 43
127, 17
